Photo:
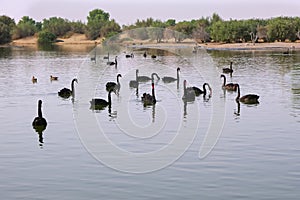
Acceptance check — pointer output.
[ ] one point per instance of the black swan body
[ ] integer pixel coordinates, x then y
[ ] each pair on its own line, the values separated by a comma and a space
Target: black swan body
228, 70
134, 83
168, 79
247, 99
100, 104
198, 91
39, 120
114, 86
188, 94
111, 63
228, 86
149, 99
53, 78
66, 92
129, 55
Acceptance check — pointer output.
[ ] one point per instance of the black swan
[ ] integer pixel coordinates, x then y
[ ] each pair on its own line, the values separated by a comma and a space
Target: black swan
188, 94
228, 86
153, 56
168, 79
149, 99
198, 91
100, 104
134, 83
287, 51
39, 120
114, 86
247, 99
129, 55
106, 57
113, 63
228, 70
34, 79
53, 78
65, 92
145, 54
146, 78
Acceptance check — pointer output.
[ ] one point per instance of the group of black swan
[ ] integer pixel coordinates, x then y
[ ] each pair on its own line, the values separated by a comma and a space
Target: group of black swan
247, 99
189, 93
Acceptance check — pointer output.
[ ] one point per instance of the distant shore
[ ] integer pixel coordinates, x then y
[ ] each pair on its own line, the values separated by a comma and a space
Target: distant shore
80, 39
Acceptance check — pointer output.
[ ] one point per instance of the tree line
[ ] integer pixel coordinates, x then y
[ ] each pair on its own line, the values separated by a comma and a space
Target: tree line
209, 29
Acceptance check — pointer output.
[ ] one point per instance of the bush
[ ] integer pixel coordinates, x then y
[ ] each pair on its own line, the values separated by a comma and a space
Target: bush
46, 37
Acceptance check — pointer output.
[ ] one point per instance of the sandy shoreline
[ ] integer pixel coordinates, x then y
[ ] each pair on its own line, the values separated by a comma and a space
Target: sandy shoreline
80, 39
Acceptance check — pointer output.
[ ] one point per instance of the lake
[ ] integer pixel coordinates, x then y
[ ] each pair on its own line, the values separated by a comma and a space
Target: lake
205, 149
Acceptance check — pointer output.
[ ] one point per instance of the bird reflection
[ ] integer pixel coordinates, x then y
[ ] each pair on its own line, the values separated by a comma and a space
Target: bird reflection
39, 130
153, 113
237, 112
184, 109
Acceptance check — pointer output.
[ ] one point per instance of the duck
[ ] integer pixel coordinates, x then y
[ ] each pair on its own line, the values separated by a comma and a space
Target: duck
168, 79
114, 86
53, 78
198, 91
228, 86
66, 92
134, 83
153, 56
228, 70
149, 99
188, 94
247, 99
100, 104
34, 79
39, 120
113, 63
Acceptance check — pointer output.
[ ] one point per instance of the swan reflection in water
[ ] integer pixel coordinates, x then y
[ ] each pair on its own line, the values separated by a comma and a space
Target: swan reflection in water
39, 123
237, 112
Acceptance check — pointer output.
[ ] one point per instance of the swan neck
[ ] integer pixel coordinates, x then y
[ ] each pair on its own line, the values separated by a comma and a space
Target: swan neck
238, 93
204, 89
40, 110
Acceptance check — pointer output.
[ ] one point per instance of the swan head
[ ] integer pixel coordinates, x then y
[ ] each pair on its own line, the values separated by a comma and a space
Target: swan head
178, 68
119, 75
75, 80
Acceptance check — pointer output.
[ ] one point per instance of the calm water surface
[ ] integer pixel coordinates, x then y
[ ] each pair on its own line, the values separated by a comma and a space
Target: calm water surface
256, 156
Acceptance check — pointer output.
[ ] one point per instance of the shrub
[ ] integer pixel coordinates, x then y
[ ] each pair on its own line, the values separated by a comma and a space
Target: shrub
46, 37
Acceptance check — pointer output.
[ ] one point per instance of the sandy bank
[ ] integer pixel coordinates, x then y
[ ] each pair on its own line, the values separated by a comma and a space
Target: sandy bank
80, 39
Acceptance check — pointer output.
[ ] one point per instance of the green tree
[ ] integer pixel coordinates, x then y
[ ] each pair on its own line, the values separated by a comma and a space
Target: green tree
6, 26
46, 37
98, 24
26, 27
56, 25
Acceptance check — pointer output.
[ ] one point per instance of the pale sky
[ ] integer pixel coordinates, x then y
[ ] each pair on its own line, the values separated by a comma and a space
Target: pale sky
128, 11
